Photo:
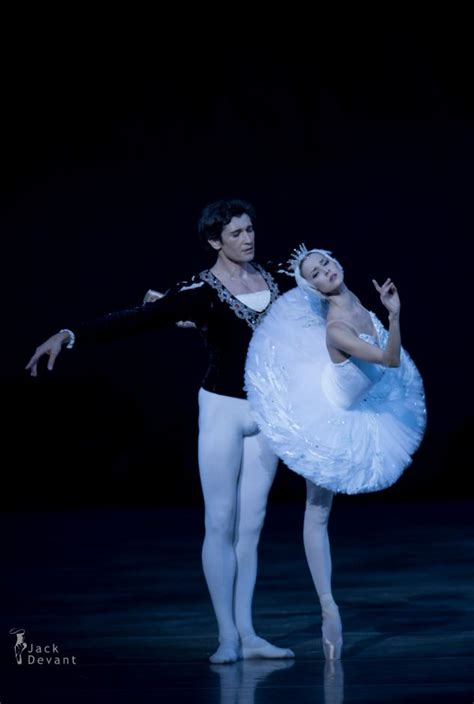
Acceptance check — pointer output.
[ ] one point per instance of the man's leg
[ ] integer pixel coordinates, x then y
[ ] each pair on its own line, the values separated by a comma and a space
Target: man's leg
220, 455
258, 470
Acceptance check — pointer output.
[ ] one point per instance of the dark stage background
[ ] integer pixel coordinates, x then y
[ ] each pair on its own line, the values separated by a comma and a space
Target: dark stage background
355, 140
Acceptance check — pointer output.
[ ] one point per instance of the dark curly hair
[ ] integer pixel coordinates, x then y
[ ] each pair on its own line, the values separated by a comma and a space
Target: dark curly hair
217, 215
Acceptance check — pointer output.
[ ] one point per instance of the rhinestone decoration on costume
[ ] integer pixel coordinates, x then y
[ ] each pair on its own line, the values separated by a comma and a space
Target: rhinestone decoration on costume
251, 317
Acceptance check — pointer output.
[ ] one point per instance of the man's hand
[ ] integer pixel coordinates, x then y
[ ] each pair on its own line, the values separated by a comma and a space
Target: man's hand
51, 348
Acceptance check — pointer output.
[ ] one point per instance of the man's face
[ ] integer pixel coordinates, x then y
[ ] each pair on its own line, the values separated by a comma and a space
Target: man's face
237, 241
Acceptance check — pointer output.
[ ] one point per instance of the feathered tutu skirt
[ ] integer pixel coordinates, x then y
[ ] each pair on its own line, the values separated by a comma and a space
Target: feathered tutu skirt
350, 427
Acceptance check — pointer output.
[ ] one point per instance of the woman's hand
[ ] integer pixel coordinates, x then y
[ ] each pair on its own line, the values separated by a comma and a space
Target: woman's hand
151, 296
51, 347
388, 296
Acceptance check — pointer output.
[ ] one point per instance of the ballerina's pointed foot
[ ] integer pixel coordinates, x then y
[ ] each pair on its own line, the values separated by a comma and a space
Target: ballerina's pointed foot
331, 630
332, 651
227, 652
256, 647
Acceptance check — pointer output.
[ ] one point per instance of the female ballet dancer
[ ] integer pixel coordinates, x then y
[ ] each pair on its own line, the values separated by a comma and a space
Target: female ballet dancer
337, 397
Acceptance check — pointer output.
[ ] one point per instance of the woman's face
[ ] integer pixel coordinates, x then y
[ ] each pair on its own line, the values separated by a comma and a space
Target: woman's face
322, 272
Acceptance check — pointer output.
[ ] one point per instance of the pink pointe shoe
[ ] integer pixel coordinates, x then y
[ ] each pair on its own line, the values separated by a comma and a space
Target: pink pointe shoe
331, 629
332, 651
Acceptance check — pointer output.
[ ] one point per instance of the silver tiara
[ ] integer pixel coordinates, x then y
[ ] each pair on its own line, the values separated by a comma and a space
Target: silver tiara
300, 253
297, 255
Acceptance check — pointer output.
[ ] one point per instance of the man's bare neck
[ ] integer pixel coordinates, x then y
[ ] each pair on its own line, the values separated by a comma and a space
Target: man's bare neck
232, 270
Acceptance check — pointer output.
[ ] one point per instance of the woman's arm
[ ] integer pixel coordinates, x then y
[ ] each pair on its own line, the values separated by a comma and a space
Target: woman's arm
343, 337
281, 273
151, 296
391, 300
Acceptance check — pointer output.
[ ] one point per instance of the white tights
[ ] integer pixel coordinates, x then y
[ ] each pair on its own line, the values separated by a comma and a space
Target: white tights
318, 555
315, 534
237, 469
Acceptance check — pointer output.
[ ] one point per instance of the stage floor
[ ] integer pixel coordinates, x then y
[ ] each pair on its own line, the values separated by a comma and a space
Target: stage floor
115, 603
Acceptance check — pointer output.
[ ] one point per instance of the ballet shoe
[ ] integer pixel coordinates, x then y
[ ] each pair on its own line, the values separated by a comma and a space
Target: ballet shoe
228, 652
255, 647
331, 631
332, 650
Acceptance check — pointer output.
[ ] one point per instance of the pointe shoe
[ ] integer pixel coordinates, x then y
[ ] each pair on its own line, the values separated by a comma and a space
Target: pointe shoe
332, 651
332, 632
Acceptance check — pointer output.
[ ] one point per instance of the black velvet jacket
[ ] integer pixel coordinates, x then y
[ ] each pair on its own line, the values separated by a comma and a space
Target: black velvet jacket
225, 323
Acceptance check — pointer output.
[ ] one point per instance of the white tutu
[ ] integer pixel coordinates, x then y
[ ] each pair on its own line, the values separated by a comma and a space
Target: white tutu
349, 427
